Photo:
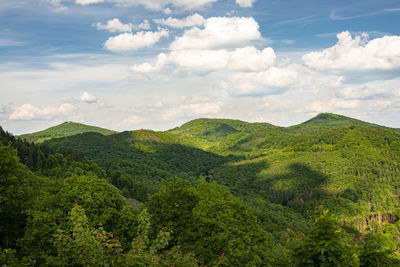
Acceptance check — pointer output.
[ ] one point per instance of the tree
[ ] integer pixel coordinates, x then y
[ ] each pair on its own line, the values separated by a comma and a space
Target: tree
378, 249
81, 245
208, 219
100, 200
14, 194
326, 244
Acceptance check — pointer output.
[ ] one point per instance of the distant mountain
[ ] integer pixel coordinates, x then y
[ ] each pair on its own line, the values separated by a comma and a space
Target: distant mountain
63, 130
225, 136
215, 129
327, 121
138, 160
349, 166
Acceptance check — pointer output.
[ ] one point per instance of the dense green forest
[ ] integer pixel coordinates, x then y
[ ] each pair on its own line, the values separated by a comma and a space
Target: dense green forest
212, 192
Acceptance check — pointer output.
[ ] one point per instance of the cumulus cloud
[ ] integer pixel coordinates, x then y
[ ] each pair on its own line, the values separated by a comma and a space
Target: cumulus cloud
219, 32
88, 2
268, 80
145, 25
209, 60
57, 4
245, 3
154, 4
114, 25
382, 104
30, 112
357, 53
190, 21
373, 89
203, 108
88, 98
129, 42
331, 105
134, 119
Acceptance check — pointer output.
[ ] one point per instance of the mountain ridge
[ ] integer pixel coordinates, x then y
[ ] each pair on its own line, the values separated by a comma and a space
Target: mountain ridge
64, 129
210, 130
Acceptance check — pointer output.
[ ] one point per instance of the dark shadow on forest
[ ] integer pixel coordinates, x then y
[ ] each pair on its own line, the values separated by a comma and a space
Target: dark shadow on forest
299, 183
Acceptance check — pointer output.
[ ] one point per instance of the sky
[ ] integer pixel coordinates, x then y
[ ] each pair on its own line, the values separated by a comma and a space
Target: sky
156, 64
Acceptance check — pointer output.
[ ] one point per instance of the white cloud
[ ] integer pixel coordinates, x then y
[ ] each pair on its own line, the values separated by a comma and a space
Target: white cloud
128, 41
154, 4
145, 25
278, 103
114, 25
134, 119
331, 105
219, 32
357, 53
88, 2
209, 60
66, 109
167, 11
273, 77
3, 109
88, 98
194, 109
57, 4
373, 89
382, 104
190, 21
30, 112
245, 3
9, 42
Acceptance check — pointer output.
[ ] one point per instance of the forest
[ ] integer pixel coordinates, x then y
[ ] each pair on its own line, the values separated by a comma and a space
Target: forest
212, 192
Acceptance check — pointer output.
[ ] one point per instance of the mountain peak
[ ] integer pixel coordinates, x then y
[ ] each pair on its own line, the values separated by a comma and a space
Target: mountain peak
329, 116
64, 129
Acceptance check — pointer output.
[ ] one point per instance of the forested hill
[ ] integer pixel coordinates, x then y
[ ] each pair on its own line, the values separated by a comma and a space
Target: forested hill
326, 121
220, 193
62, 130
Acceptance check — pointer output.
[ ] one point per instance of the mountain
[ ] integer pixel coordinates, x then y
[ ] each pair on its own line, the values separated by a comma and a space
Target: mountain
281, 174
347, 165
326, 121
62, 130
139, 160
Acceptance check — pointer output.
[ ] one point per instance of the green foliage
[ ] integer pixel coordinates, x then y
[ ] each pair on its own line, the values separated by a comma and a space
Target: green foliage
277, 174
8, 258
80, 245
138, 160
379, 249
156, 254
44, 161
326, 121
208, 219
326, 244
101, 201
14, 195
62, 130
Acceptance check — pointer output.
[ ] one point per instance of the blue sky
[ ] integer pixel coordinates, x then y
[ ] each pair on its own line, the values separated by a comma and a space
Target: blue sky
130, 64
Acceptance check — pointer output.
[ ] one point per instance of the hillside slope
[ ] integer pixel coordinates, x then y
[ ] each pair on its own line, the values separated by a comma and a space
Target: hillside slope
63, 130
136, 161
326, 121
349, 166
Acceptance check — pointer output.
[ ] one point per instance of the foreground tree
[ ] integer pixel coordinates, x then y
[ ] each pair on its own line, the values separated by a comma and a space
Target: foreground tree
379, 249
14, 194
81, 245
208, 219
100, 200
326, 244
